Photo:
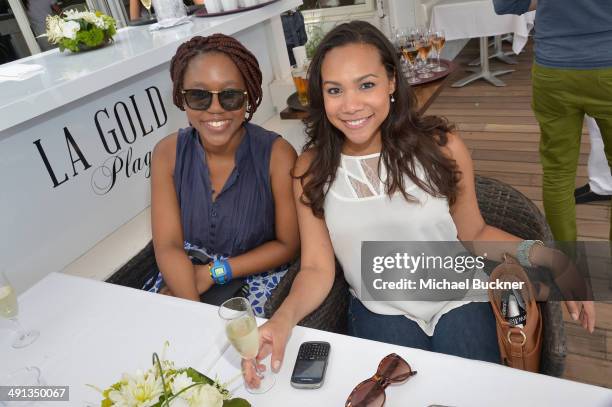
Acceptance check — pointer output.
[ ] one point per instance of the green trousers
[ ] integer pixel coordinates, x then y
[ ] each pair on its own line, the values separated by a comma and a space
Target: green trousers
561, 98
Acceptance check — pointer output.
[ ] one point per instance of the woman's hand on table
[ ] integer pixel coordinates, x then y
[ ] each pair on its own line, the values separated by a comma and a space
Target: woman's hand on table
203, 281
273, 337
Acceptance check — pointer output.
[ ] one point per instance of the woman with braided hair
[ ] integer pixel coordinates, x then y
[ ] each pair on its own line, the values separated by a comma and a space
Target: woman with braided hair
223, 216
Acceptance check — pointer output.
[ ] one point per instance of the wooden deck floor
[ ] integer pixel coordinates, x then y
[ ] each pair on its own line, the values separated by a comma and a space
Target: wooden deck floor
502, 133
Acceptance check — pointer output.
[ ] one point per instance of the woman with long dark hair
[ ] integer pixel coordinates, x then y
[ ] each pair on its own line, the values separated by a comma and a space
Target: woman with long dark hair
373, 169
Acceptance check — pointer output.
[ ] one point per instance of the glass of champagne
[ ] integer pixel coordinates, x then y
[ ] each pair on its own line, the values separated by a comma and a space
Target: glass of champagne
411, 52
430, 38
241, 330
423, 44
147, 5
401, 39
439, 38
9, 309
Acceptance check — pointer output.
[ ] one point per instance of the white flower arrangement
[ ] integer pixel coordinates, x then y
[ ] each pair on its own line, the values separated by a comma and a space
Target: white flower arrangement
164, 385
79, 30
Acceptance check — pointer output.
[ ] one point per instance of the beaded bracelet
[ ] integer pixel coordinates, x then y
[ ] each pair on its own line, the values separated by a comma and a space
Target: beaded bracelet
523, 251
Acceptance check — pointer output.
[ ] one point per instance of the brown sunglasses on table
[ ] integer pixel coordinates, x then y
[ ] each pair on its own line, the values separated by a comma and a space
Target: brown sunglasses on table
371, 392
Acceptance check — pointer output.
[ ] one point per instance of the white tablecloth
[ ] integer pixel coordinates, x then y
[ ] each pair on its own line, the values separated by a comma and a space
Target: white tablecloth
91, 332
474, 19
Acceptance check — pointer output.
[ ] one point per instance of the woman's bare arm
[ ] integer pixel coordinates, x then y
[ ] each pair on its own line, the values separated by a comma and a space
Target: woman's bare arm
176, 268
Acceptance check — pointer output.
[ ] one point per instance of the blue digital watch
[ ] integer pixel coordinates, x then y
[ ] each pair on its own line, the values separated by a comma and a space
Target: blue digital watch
220, 271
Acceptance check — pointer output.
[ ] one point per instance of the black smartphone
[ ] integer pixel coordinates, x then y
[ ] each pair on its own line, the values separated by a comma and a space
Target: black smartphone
310, 366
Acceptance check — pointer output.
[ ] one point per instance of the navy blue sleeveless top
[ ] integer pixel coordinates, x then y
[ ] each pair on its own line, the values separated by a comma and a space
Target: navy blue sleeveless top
242, 215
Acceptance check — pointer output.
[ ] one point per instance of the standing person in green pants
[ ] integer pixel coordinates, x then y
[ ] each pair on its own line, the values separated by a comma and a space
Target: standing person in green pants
572, 75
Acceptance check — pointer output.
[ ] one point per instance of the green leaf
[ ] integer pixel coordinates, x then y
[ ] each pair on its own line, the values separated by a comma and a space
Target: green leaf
91, 38
107, 402
237, 402
116, 386
198, 377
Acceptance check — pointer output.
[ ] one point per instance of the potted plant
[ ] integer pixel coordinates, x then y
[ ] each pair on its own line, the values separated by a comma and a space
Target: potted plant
80, 30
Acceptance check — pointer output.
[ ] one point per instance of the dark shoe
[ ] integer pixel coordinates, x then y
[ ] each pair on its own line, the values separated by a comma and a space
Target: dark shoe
591, 197
582, 190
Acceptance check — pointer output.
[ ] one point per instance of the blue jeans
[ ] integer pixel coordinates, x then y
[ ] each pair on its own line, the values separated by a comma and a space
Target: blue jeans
468, 331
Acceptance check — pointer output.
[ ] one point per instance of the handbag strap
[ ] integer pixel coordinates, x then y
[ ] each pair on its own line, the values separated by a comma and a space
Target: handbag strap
517, 339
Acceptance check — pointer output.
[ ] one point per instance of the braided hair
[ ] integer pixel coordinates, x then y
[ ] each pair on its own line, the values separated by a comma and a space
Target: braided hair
245, 62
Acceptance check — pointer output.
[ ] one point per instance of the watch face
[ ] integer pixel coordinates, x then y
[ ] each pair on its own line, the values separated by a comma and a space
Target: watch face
219, 271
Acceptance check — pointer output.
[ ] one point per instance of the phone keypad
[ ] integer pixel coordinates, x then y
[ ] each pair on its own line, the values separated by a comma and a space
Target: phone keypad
313, 351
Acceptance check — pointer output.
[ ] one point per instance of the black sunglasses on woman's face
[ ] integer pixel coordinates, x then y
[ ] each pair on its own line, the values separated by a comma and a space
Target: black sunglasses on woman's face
200, 99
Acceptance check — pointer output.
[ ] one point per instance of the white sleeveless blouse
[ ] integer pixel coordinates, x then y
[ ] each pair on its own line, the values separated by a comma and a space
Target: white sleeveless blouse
357, 209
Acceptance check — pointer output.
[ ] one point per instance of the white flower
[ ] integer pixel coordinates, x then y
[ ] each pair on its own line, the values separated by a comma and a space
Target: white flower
98, 22
139, 390
77, 15
200, 395
95, 20
205, 395
179, 402
87, 16
69, 29
180, 382
54, 28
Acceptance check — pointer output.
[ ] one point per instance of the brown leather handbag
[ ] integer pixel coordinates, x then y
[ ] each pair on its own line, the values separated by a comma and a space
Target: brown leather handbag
519, 347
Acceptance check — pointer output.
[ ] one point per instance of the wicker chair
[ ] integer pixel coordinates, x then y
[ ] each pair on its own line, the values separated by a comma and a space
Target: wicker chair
501, 206
331, 314
137, 270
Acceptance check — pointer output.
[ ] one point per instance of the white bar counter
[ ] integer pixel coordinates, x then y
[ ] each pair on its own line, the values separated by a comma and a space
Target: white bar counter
68, 77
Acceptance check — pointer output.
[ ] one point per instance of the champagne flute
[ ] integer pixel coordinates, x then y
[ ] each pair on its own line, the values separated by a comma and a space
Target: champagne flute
439, 38
147, 5
241, 330
424, 47
9, 309
401, 39
411, 52
430, 38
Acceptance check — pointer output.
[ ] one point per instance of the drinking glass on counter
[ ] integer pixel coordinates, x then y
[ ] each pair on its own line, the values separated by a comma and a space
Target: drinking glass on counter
300, 79
438, 41
241, 330
147, 5
9, 308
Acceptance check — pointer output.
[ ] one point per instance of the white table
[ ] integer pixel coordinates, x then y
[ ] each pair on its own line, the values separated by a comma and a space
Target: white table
91, 332
477, 19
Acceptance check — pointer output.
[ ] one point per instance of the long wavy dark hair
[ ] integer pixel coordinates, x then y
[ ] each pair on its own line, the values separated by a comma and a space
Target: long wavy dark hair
408, 139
